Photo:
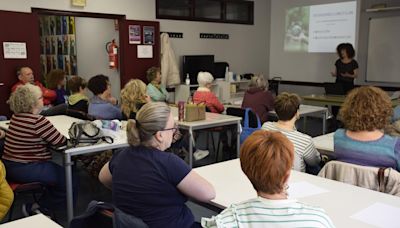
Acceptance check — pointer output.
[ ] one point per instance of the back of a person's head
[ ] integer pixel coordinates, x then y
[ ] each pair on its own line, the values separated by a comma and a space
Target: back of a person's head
24, 98
204, 78
366, 108
150, 119
266, 157
151, 73
98, 84
258, 81
133, 93
54, 77
75, 83
286, 105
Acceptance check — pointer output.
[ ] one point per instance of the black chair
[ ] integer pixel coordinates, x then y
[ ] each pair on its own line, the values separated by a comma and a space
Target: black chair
274, 85
240, 113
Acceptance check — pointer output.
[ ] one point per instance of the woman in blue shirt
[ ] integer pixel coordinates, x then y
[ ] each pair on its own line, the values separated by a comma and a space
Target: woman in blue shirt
149, 183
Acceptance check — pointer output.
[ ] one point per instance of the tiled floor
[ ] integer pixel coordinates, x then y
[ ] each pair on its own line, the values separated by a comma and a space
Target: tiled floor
91, 189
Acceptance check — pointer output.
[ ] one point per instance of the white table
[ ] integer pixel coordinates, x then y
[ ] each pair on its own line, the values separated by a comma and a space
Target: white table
35, 221
304, 110
212, 120
340, 202
324, 143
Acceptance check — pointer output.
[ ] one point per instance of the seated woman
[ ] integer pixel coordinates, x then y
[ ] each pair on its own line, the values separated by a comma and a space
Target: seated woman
77, 100
204, 95
133, 97
155, 90
287, 109
103, 105
364, 113
26, 155
258, 99
266, 158
7, 194
55, 80
147, 182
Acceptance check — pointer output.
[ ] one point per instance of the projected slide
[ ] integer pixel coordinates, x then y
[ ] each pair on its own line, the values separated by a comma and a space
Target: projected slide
320, 28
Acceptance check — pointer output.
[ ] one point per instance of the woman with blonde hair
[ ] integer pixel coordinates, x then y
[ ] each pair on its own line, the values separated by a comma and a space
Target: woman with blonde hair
133, 97
366, 111
146, 181
258, 98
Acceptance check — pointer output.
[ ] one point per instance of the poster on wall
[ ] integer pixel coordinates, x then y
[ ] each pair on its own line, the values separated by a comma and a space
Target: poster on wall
134, 34
148, 35
14, 50
57, 44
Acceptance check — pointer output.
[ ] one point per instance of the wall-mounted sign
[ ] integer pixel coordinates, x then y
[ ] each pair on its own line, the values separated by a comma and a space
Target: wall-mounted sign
81, 3
145, 51
214, 36
134, 34
14, 50
174, 34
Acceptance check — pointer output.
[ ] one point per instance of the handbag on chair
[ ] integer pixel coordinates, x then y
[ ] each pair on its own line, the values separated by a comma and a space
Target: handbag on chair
246, 129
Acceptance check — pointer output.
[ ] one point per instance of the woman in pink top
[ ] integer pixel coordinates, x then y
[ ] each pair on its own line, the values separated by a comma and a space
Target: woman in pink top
204, 94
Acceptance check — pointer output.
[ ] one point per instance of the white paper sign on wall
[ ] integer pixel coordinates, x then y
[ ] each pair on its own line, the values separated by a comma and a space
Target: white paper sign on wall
14, 50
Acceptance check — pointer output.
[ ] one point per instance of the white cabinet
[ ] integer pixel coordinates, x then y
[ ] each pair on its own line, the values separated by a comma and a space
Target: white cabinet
232, 91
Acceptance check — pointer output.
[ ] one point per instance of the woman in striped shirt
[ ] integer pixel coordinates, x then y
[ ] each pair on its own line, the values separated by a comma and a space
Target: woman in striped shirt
26, 156
266, 158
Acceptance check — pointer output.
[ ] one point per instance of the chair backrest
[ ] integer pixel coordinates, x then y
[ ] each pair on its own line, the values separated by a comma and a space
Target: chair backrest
240, 113
274, 85
100, 214
374, 178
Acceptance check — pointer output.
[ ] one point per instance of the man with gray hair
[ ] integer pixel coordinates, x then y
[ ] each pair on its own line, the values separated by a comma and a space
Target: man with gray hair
25, 75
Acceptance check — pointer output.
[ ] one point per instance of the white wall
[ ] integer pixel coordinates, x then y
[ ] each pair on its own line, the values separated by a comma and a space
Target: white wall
247, 50
91, 36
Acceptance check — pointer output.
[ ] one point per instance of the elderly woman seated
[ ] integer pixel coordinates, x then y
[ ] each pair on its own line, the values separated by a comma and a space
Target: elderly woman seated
364, 113
204, 94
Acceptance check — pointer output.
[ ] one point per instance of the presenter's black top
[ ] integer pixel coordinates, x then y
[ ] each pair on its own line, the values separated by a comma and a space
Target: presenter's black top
342, 68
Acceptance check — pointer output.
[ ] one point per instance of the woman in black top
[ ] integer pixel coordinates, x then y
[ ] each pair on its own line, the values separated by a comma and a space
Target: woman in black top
346, 68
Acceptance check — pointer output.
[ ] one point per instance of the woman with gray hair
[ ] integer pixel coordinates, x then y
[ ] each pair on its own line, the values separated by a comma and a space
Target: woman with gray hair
149, 183
26, 155
204, 94
258, 98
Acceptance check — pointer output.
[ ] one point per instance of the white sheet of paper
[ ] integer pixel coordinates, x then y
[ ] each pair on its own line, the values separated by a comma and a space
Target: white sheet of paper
14, 50
303, 189
145, 51
380, 215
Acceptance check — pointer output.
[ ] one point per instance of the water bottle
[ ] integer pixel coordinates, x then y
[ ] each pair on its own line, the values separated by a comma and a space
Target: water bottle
187, 81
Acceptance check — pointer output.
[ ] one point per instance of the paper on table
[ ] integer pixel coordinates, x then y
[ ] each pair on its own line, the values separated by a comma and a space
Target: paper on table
303, 189
380, 215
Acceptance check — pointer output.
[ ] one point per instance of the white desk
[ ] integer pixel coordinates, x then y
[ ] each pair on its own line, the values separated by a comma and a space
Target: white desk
212, 120
35, 221
340, 202
324, 143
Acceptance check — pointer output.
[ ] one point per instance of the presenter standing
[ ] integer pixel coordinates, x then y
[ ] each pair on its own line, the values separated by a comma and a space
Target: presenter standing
346, 68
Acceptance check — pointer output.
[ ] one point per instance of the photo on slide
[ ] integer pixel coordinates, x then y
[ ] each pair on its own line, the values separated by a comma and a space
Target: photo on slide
296, 29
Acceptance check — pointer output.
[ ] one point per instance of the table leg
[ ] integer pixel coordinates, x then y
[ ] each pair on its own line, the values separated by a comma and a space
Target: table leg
324, 121
68, 183
239, 131
191, 141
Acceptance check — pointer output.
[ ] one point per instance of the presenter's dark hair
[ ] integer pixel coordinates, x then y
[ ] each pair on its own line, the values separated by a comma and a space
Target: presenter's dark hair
348, 47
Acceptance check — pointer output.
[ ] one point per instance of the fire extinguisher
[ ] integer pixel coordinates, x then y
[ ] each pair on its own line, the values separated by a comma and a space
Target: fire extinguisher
112, 50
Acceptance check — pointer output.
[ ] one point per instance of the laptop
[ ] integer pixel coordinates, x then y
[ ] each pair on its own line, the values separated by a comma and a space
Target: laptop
334, 89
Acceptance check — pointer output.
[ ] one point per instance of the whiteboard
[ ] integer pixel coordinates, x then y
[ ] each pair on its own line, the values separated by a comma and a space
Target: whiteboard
383, 63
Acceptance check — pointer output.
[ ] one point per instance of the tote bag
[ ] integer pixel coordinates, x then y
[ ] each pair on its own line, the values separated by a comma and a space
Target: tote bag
246, 130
